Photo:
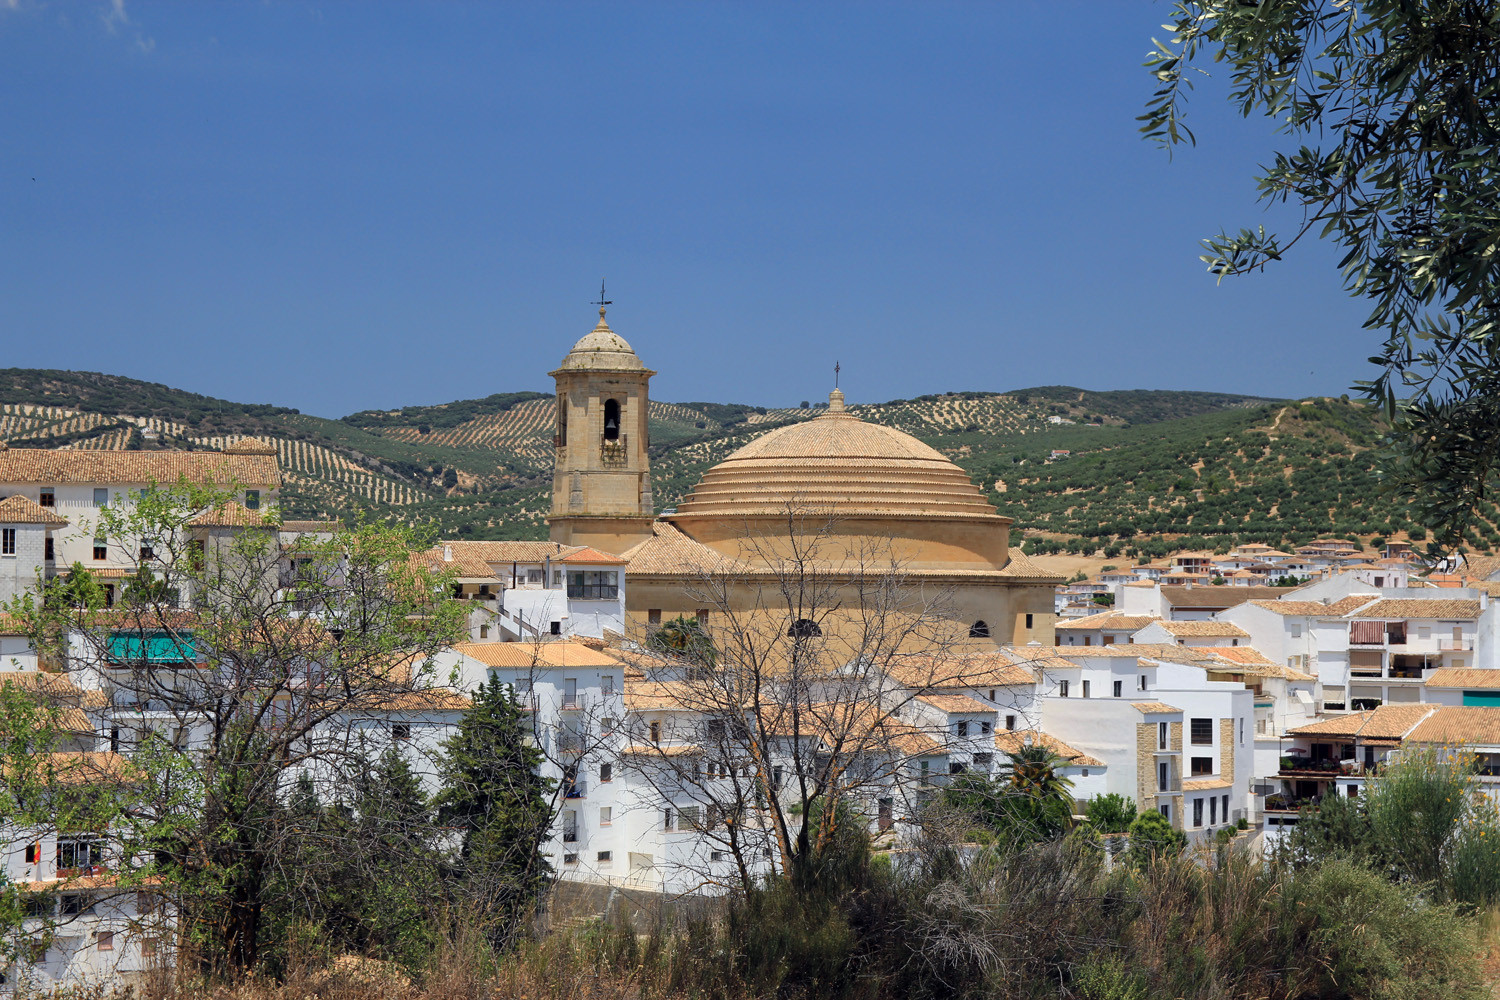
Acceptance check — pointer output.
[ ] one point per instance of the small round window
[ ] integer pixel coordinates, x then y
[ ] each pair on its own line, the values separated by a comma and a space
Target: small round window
979, 630
804, 628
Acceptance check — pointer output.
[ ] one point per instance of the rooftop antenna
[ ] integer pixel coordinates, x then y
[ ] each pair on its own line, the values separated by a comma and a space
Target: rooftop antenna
602, 300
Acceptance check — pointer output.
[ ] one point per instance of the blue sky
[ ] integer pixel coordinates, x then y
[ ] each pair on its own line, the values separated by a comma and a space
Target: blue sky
339, 206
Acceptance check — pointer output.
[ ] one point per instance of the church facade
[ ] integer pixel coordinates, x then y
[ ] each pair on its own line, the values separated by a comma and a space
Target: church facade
853, 499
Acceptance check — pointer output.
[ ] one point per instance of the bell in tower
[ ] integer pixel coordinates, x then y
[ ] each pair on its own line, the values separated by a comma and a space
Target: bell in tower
601, 482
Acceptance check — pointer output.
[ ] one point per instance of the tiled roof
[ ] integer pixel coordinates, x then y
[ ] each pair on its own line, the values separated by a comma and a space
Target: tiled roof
1216, 597
591, 557
1482, 567
464, 565
649, 696
1455, 726
24, 510
56, 688
927, 673
1204, 784
1249, 660
1110, 621
664, 750
506, 552
1013, 740
1154, 708
1459, 677
12, 625
1022, 567
236, 515
312, 526
670, 552
82, 767
1407, 607
1388, 722
956, 704
1208, 629
541, 655
1316, 609
128, 468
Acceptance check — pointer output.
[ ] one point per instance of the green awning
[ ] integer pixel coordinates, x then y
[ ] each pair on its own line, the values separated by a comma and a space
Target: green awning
152, 647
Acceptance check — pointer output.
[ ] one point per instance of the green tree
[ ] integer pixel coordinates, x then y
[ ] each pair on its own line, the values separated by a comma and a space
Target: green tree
1111, 813
494, 793
1152, 836
1391, 121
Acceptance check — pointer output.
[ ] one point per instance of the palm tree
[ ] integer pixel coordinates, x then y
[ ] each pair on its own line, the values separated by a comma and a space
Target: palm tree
1038, 798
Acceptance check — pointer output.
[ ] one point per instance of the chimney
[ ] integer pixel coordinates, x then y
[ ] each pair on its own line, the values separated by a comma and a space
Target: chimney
447, 553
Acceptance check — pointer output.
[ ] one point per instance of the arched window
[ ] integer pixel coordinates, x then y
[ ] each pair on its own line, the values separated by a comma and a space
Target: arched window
611, 420
804, 628
562, 420
979, 630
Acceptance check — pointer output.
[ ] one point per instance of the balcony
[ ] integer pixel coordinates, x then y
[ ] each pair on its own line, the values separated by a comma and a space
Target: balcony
1456, 645
577, 790
593, 592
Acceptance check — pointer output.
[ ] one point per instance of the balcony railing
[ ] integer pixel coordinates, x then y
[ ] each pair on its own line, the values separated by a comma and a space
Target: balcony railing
1455, 645
593, 592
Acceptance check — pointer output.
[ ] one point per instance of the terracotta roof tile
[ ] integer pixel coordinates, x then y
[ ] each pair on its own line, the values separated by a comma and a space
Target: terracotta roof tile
670, 552
1407, 607
956, 704
1217, 597
1205, 629
541, 655
129, 468
592, 557
1204, 784
1154, 708
1385, 722
1455, 726
236, 515
1459, 677
24, 510
1109, 621
1011, 741
1317, 609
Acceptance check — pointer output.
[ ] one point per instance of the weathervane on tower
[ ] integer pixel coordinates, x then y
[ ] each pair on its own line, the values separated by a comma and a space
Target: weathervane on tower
602, 300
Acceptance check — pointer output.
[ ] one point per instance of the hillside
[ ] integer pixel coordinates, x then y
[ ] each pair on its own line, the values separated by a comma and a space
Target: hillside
1199, 468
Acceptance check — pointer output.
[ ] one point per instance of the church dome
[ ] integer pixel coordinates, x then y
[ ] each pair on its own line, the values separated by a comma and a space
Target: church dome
839, 463
601, 350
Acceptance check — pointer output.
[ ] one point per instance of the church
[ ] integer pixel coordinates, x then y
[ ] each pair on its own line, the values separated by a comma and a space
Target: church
876, 500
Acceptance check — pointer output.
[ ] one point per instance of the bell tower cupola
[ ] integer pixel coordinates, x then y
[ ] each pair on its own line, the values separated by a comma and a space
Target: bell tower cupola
601, 480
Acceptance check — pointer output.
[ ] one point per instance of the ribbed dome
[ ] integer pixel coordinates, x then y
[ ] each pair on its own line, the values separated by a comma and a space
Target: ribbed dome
601, 350
836, 461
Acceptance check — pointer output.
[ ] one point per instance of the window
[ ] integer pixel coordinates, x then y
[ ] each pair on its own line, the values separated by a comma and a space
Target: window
147, 552
47, 552
1010, 723
955, 767
252, 499
7, 541
983, 760
606, 725
556, 628
980, 630
1224, 810
656, 732
604, 857
992, 694
570, 859
101, 496
1213, 811
1202, 732
717, 855
666, 819
1028, 621
688, 818
607, 684
611, 420
1062, 689
48, 497
606, 773
484, 631
33, 852
1197, 812
1119, 688
1085, 689
963, 729
1202, 766
80, 853
1296, 630
653, 616
803, 628
702, 615
106, 941
1141, 683
593, 585
149, 946
1163, 776
101, 550
570, 692
986, 728
1242, 732
75, 903
1161, 736
400, 731
606, 815
1352, 791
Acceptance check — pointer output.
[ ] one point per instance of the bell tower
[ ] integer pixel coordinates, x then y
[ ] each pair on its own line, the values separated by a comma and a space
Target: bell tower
601, 479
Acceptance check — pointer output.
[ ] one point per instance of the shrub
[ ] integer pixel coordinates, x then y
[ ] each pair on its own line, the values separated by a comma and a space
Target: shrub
1152, 836
1111, 813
